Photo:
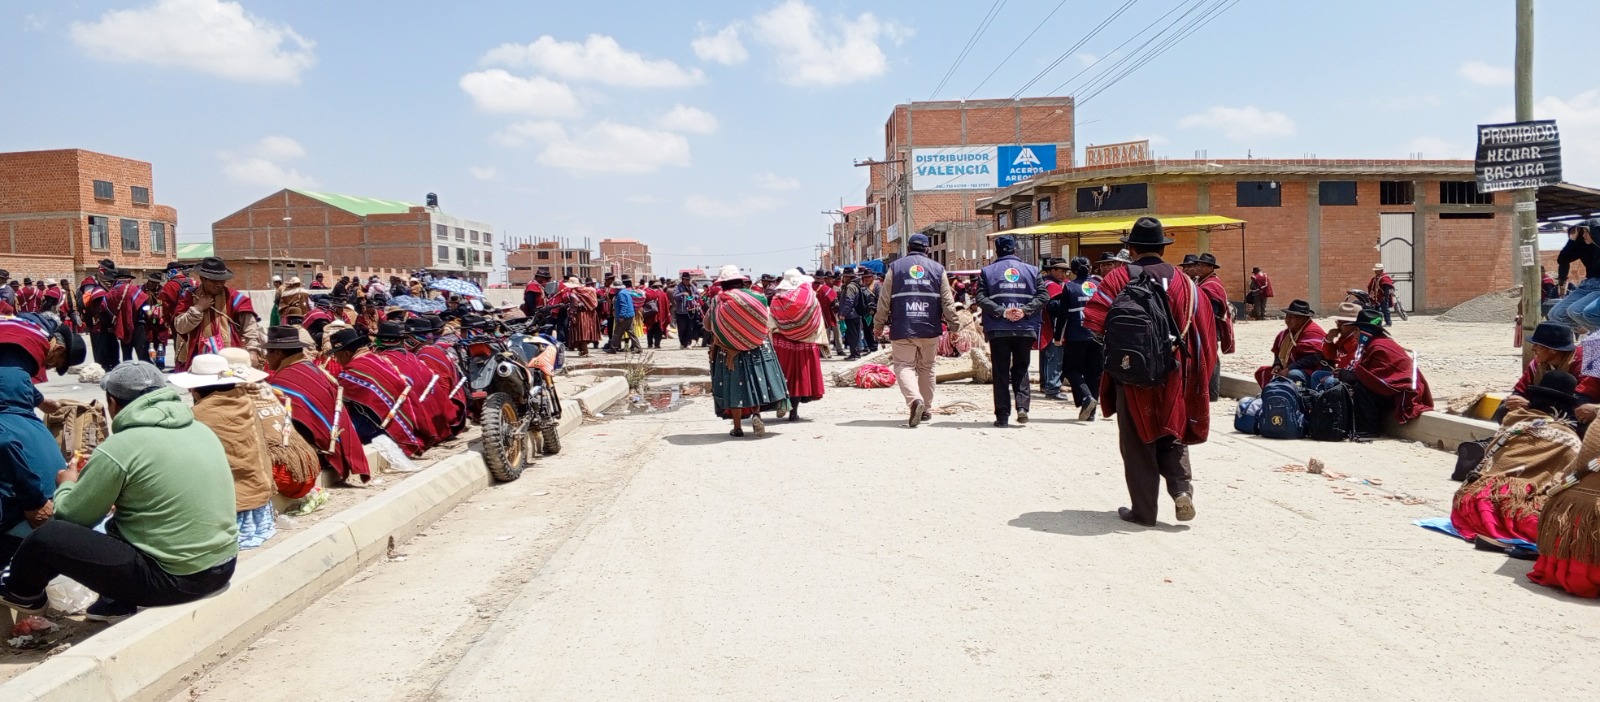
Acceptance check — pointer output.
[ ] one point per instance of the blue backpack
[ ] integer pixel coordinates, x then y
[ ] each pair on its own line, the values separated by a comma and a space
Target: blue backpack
1246, 417
1283, 413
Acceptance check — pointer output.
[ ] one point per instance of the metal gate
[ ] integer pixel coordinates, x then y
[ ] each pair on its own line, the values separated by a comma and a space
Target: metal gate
1395, 250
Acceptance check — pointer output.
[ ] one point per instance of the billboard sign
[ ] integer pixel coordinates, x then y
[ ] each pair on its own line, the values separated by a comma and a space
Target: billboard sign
1117, 154
1518, 155
979, 167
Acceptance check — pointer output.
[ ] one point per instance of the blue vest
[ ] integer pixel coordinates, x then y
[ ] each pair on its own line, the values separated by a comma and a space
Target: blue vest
916, 312
1011, 283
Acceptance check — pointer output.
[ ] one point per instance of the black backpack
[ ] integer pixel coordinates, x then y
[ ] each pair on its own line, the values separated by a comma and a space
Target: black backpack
1330, 415
1141, 337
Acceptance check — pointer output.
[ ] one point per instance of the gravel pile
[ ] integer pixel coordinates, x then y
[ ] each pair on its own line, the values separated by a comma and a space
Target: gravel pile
1499, 306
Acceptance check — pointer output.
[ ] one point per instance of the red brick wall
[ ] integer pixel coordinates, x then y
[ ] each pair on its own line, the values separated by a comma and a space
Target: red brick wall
1467, 258
47, 196
321, 231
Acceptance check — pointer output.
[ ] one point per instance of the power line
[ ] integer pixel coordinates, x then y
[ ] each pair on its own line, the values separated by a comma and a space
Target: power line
983, 26
1194, 26
1118, 47
1018, 47
1074, 48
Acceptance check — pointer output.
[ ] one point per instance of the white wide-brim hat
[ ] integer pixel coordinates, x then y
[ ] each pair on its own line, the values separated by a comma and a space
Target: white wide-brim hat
209, 369
730, 272
792, 279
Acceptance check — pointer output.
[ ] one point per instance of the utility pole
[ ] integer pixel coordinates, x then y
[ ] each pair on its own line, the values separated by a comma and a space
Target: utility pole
1524, 255
903, 181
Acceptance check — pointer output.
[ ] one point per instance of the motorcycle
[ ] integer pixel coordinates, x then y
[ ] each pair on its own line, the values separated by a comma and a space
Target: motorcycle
512, 393
1364, 299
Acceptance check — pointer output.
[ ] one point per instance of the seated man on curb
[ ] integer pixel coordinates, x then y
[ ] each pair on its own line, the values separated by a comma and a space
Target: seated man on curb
1383, 378
376, 394
222, 402
1297, 348
315, 404
173, 538
29, 461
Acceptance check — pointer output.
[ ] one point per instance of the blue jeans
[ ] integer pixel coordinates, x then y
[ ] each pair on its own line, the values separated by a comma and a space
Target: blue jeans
1578, 309
1050, 369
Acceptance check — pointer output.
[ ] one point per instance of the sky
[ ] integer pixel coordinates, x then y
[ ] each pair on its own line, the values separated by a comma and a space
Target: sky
719, 132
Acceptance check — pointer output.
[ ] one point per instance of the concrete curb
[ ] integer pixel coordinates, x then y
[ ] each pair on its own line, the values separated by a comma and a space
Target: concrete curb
1436, 429
596, 399
154, 653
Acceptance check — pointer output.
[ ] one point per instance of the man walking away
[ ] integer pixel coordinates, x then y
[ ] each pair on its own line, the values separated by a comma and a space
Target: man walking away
850, 301
1381, 291
1158, 419
1055, 273
685, 310
622, 307
1011, 294
1202, 269
1260, 291
869, 302
914, 302
1081, 356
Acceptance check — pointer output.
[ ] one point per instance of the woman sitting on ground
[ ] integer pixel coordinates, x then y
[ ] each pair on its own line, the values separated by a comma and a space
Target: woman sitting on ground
1534, 447
1569, 526
1553, 349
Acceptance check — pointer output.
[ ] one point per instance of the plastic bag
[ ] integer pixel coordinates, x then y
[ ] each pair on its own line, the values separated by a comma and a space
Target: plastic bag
68, 596
393, 456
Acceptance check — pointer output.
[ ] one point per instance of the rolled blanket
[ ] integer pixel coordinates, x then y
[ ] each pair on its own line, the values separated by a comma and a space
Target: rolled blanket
796, 313
738, 320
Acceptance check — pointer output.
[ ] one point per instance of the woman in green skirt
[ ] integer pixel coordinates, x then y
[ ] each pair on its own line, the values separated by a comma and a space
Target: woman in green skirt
745, 376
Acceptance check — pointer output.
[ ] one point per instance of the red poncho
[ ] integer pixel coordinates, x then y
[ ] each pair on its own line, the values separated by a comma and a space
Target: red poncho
1182, 407
316, 404
23, 333
373, 382
796, 313
738, 319
1217, 297
1384, 368
127, 300
437, 358
430, 394
1288, 348
219, 327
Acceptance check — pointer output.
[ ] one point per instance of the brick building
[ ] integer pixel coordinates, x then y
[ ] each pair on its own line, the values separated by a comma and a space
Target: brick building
854, 237
292, 227
951, 155
1315, 226
62, 211
563, 260
627, 257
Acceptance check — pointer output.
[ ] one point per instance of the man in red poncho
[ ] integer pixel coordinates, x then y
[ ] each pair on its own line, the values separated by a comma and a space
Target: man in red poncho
316, 404
1203, 270
1156, 425
27, 297
440, 359
131, 304
99, 319
827, 297
429, 392
377, 395
1297, 348
1382, 376
213, 316
1380, 289
1260, 290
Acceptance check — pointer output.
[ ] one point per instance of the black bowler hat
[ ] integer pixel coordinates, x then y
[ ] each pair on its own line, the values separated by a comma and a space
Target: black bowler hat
347, 339
1369, 317
1147, 231
123, 274
417, 326
284, 337
391, 331
1055, 263
1108, 257
213, 268
76, 351
1554, 336
542, 273
1556, 393
1206, 259
1189, 260
1301, 308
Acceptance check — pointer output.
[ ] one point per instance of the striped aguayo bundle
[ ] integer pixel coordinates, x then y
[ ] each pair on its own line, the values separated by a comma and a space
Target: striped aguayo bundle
738, 320
796, 313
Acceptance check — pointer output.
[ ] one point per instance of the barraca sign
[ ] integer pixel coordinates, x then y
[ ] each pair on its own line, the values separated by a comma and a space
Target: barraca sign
979, 167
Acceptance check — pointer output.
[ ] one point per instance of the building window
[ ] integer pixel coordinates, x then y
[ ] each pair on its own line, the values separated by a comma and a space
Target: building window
158, 237
141, 196
442, 233
99, 237
1466, 215
1397, 192
1128, 196
487, 238
104, 191
1334, 193
472, 236
461, 234
1043, 207
461, 255
1023, 216
544, 255
1259, 193
130, 235
1463, 192
444, 253
1002, 221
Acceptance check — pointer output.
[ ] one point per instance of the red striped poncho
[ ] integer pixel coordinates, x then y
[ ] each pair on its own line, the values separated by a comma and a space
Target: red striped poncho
437, 357
738, 319
28, 333
129, 299
374, 383
316, 404
797, 314
429, 394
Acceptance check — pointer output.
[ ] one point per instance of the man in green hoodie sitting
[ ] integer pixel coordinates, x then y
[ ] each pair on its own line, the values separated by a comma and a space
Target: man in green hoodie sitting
173, 537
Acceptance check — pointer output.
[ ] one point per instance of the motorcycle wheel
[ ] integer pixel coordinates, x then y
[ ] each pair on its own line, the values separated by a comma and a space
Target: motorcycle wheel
504, 451
550, 439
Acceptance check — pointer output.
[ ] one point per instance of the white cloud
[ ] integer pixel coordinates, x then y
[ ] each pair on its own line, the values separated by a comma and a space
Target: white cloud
1485, 74
1579, 120
1435, 148
808, 53
523, 133
688, 119
599, 59
497, 91
609, 147
484, 173
1241, 123
723, 47
773, 181
715, 208
210, 36
261, 164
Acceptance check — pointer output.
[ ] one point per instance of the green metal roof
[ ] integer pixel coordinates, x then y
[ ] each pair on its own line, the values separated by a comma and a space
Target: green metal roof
193, 251
362, 206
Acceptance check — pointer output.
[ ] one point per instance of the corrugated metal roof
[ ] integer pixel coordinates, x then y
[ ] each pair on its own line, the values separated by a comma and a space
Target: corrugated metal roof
195, 251
362, 206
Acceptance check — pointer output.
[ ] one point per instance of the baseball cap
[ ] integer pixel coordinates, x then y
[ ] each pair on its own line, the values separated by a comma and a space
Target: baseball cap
132, 379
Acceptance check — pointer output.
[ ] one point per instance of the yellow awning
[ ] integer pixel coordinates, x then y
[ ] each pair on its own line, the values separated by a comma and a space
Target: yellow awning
1118, 225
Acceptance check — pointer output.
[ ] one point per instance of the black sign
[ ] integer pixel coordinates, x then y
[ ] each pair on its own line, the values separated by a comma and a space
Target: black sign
1518, 155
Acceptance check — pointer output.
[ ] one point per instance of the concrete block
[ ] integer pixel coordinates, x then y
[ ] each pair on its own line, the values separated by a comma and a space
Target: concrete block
68, 677
602, 395
571, 416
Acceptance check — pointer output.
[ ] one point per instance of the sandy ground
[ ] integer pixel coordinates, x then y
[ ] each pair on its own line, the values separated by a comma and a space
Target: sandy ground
1459, 360
848, 557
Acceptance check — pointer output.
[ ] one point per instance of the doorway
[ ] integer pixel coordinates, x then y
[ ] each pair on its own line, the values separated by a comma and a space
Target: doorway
1396, 251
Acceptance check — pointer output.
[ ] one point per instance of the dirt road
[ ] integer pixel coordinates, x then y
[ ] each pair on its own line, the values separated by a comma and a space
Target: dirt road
848, 557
